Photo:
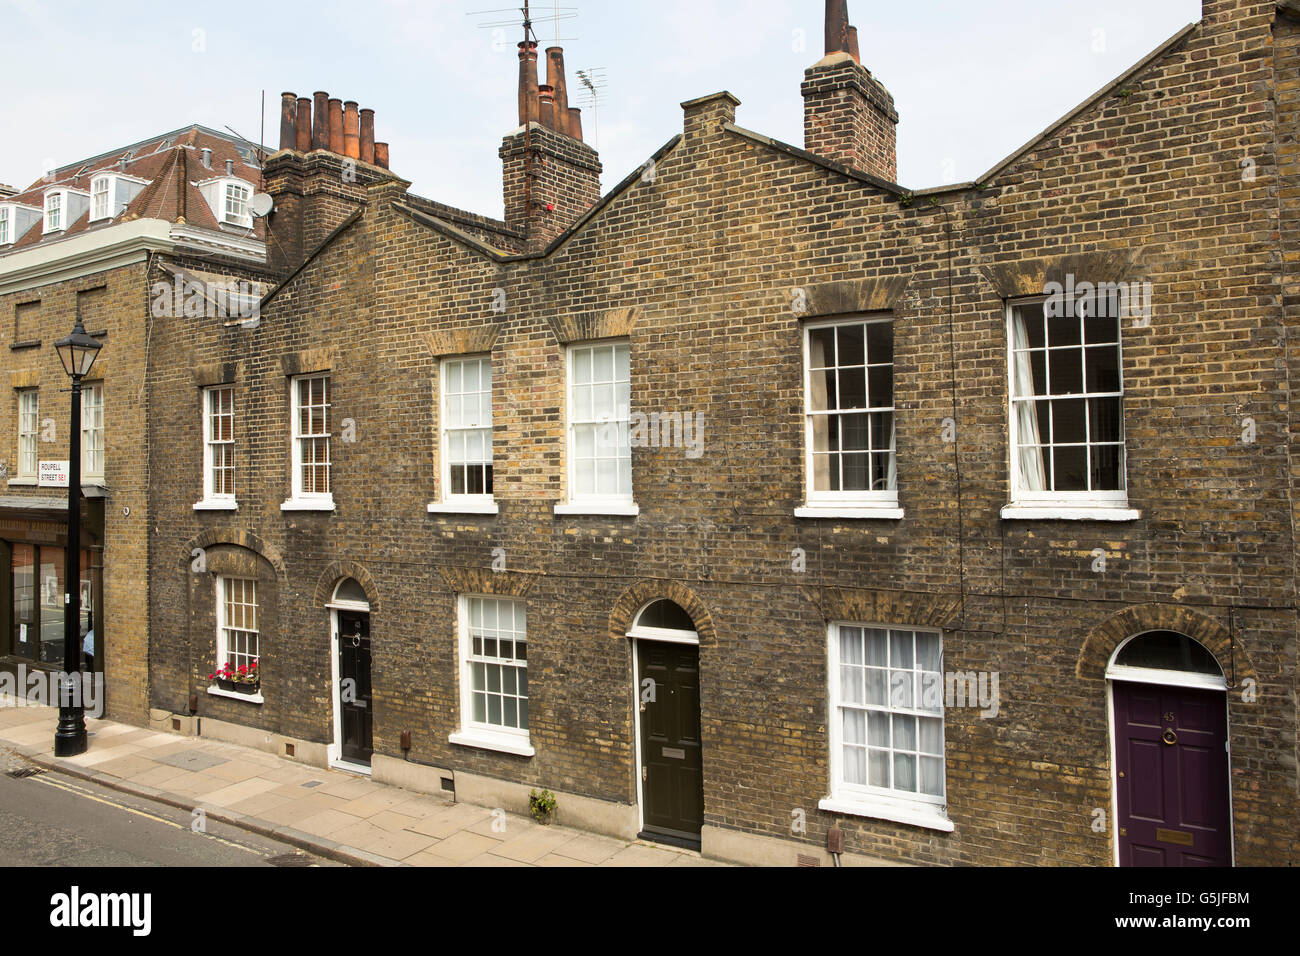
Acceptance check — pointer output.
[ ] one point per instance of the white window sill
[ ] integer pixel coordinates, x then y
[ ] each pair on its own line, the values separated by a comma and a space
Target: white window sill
1068, 513
22, 482
486, 740
862, 512
464, 508
628, 510
297, 504
928, 815
208, 505
247, 698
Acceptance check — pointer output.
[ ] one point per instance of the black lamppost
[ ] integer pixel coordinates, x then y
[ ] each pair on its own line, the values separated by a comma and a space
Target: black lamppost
77, 352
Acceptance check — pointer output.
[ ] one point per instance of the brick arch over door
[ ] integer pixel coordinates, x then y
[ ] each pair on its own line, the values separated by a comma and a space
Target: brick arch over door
1100, 643
213, 538
642, 593
336, 572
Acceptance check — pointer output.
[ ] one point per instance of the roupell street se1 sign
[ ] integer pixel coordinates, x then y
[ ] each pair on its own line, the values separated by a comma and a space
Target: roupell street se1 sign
52, 474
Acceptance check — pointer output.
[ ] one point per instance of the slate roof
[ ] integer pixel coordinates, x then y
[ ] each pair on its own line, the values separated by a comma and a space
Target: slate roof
172, 163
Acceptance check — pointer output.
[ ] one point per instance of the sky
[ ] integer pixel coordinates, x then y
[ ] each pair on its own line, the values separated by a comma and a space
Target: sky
972, 82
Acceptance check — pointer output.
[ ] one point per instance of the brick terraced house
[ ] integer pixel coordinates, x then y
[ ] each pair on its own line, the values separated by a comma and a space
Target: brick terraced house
80, 244
762, 499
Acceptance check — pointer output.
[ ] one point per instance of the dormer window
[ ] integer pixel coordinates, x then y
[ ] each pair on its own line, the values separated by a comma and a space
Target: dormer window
238, 197
230, 199
6, 225
54, 210
101, 198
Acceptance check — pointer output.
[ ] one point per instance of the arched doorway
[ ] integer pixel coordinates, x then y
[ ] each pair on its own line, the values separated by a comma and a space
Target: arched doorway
1172, 785
670, 759
350, 653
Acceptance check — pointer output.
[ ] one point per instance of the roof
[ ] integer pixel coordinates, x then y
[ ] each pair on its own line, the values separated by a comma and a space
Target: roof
171, 163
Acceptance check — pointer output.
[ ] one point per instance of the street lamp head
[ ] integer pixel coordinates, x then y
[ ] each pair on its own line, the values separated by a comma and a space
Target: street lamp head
77, 352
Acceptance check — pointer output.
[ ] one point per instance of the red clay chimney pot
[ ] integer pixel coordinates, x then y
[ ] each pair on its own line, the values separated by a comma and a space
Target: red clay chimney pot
351, 131
336, 126
320, 125
303, 139
288, 120
368, 136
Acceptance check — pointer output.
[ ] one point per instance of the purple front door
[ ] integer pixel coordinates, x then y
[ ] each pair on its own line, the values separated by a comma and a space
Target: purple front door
1171, 775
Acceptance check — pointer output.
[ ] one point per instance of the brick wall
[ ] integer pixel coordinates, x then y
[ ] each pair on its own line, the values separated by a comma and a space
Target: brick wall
696, 265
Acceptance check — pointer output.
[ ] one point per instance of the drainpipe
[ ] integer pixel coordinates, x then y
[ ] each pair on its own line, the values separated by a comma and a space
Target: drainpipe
835, 844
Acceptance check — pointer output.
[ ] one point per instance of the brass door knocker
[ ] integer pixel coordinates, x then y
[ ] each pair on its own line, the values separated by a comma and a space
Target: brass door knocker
1170, 737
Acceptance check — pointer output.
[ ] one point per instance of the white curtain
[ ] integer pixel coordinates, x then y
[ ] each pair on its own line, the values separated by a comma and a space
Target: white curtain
1032, 475
892, 481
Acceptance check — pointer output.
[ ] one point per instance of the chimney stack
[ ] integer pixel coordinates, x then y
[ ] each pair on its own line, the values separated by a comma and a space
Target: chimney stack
529, 106
557, 82
303, 138
288, 120
320, 126
551, 177
351, 131
368, 136
849, 116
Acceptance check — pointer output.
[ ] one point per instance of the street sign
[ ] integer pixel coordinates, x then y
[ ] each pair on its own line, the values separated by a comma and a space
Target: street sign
52, 474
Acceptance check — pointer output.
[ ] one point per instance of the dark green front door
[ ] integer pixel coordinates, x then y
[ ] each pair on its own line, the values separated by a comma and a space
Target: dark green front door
672, 764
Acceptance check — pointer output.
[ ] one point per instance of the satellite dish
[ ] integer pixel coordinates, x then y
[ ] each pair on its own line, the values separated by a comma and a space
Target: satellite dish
262, 205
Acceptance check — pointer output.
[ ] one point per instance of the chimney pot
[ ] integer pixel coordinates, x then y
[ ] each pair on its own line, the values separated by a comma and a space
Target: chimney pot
288, 120
351, 131
368, 136
546, 97
381, 155
303, 138
529, 108
230, 167
336, 125
575, 123
207, 158
556, 79
837, 26
853, 45
320, 126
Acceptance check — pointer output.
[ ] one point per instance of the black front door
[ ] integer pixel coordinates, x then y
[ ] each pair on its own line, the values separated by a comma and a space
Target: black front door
672, 763
354, 687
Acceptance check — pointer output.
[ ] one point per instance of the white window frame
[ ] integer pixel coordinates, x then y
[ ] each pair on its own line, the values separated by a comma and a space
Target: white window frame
300, 500
245, 202
880, 504
97, 194
56, 210
92, 434
451, 502
473, 733
918, 809
212, 501
616, 504
1062, 505
29, 431
6, 224
223, 644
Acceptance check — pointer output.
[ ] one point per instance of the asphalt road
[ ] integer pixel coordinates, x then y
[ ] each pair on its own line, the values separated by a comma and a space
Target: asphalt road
51, 820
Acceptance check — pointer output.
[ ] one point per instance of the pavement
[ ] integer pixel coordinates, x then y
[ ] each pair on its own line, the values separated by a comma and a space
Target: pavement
339, 816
